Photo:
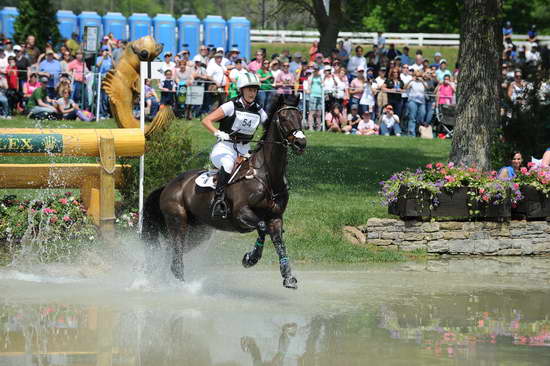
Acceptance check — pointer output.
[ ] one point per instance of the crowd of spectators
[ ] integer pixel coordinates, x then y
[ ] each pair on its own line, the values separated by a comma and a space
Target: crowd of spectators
379, 90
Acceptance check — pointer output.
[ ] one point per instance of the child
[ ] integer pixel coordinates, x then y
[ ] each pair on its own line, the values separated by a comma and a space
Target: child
367, 126
354, 118
151, 100
168, 90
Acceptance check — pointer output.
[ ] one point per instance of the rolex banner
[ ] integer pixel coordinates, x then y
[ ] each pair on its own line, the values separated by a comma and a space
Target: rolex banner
31, 143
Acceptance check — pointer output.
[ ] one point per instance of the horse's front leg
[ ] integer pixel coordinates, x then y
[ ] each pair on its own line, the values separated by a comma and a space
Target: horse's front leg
275, 229
248, 218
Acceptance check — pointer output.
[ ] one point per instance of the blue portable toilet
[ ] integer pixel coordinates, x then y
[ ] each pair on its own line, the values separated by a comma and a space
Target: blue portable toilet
238, 33
8, 15
165, 32
140, 25
115, 23
214, 31
68, 23
88, 19
189, 30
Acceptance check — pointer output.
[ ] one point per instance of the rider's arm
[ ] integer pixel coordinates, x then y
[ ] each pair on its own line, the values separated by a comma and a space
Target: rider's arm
209, 120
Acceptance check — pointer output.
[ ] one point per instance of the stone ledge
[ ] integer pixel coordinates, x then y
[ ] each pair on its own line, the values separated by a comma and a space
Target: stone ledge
459, 237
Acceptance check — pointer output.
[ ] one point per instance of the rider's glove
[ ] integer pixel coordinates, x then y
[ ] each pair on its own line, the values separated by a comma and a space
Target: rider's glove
222, 136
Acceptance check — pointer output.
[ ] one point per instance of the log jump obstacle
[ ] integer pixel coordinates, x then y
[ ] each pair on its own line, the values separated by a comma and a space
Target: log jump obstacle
96, 182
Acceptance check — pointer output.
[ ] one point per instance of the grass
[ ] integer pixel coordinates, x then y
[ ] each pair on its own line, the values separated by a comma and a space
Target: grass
333, 184
450, 53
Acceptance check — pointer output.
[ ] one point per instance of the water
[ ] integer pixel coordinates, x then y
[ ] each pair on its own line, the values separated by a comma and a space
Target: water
460, 312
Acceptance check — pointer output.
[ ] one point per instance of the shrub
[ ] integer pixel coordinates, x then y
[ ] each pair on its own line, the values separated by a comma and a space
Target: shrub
51, 228
167, 153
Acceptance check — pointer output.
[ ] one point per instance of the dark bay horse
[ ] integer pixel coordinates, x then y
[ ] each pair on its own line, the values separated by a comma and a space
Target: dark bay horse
257, 197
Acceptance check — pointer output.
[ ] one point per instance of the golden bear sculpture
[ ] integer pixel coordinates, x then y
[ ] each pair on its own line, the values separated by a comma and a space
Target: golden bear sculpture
122, 85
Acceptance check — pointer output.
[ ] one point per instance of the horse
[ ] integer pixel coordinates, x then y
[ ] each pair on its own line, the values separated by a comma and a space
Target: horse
257, 197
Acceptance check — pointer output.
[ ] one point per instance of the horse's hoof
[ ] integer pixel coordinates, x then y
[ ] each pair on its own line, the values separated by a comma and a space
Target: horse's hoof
249, 260
290, 282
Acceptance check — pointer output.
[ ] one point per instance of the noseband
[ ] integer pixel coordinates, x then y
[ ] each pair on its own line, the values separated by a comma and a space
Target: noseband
288, 136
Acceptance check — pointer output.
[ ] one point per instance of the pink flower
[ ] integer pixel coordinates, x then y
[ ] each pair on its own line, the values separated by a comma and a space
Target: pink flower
516, 186
21, 207
482, 190
472, 170
75, 202
530, 164
523, 170
429, 166
48, 210
63, 201
443, 171
451, 164
53, 220
66, 218
439, 165
493, 173
485, 198
450, 178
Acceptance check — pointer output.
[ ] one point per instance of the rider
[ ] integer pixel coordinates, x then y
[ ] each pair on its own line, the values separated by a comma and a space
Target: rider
239, 118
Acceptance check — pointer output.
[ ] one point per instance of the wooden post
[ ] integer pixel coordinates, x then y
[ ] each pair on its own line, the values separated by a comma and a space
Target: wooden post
107, 187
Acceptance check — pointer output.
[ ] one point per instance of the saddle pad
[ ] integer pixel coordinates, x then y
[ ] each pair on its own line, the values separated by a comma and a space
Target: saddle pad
206, 179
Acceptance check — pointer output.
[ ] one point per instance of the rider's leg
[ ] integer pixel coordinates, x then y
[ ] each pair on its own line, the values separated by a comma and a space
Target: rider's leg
223, 156
275, 229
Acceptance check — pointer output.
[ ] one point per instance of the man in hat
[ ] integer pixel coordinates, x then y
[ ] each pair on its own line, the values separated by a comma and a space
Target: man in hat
296, 62
437, 60
50, 68
168, 64
39, 100
203, 55
216, 71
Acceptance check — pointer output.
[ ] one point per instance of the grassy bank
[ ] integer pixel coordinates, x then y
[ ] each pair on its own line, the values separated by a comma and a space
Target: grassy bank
335, 183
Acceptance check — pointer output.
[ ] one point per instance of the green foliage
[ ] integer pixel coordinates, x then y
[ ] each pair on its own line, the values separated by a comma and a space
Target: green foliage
36, 17
51, 228
167, 154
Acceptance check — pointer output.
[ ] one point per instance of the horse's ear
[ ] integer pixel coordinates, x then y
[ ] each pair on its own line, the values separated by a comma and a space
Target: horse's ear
291, 100
272, 103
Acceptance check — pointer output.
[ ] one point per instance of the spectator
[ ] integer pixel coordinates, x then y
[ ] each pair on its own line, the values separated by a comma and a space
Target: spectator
285, 56
442, 71
216, 71
507, 32
234, 75
532, 35
315, 91
367, 102
532, 55
296, 62
32, 51
516, 162
406, 75
6, 112
104, 63
266, 79
416, 102
284, 82
313, 50
445, 91
23, 65
347, 45
329, 86
183, 73
151, 100
392, 52
30, 86
72, 44
77, 69
13, 92
118, 49
234, 55
366, 126
65, 61
394, 87
200, 78
8, 48
202, 56
381, 42
225, 61
431, 84
378, 88
341, 95
3, 61
40, 102
404, 57
51, 68
168, 64
354, 118
106, 45
343, 54
356, 87
255, 65
336, 121
437, 60
66, 107
389, 122
167, 90
517, 88
275, 70
418, 63
356, 61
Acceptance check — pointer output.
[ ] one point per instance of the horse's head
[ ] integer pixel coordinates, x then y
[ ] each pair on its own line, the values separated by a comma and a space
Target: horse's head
289, 122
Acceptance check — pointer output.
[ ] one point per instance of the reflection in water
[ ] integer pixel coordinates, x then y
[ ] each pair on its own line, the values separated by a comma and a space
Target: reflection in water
372, 323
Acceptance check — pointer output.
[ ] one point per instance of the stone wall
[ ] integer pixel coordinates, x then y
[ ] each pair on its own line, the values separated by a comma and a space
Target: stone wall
455, 237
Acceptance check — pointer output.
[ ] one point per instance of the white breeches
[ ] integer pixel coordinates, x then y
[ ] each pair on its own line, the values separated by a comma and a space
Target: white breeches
224, 154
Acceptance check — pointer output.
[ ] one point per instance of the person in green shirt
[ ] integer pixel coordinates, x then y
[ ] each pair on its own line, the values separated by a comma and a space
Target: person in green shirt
39, 100
266, 78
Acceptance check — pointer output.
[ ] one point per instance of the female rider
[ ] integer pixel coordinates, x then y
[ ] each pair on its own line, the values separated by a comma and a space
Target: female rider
239, 118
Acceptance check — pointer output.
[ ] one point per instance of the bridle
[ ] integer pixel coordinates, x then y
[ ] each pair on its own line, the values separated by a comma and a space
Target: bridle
288, 137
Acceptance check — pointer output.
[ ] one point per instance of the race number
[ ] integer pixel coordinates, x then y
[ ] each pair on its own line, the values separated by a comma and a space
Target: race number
245, 123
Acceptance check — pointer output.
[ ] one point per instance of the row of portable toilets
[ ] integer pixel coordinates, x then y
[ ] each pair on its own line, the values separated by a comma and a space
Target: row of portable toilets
185, 33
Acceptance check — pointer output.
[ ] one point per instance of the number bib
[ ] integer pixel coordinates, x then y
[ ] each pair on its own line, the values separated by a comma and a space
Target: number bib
245, 123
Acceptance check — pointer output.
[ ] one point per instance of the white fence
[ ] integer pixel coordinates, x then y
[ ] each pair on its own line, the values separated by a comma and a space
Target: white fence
412, 39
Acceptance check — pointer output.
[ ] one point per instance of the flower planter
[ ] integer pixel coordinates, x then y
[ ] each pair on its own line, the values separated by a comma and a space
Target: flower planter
417, 204
534, 205
454, 203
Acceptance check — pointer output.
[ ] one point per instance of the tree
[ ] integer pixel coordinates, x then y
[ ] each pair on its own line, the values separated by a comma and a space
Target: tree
329, 22
478, 109
37, 18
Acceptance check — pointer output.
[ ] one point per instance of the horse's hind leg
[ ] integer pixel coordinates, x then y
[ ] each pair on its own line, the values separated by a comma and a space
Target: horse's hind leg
177, 225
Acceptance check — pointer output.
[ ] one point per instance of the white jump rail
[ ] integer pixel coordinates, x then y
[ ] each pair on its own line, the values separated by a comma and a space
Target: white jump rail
413, 39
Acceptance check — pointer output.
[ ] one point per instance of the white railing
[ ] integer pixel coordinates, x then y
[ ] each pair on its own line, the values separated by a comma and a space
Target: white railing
413, 39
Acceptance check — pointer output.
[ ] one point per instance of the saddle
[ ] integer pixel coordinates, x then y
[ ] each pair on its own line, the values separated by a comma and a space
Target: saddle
206, 181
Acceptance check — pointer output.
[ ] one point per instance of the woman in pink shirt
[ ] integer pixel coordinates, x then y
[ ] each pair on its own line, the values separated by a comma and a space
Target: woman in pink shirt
445, 91
77, 68
284, 82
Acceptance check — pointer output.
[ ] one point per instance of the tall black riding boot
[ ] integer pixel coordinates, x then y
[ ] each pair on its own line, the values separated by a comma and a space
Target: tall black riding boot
219, 207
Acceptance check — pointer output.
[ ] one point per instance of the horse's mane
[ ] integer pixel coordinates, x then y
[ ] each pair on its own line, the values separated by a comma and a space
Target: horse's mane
276, 102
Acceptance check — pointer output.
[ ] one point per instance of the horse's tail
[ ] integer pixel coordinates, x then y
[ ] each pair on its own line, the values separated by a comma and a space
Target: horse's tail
153, 219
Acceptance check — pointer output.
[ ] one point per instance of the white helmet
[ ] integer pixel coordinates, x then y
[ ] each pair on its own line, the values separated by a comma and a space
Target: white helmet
247, 79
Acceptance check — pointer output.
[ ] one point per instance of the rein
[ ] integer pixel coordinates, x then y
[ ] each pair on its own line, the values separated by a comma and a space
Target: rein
285, 143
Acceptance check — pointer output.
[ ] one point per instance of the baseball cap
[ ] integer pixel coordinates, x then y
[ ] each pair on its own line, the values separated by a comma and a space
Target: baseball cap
354, 106
315, 67
360, 68
218, 54
219, 49
326, 61
443, 61
327, 68
44, 79
318, 54
309, 71
168, 54
197, 58
437, 54
49, 52
17, 47
383, 68
235, 49
297, 55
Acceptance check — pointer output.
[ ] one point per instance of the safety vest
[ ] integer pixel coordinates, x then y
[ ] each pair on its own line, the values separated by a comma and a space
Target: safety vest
242, 125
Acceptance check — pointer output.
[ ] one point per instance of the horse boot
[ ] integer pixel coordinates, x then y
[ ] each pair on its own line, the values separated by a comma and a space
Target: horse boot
219, 207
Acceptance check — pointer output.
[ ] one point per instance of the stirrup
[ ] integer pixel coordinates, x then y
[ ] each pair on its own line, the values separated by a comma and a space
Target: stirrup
220, 209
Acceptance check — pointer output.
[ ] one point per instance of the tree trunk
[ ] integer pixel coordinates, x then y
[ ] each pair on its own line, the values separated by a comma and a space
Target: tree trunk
328, 25
478, 109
